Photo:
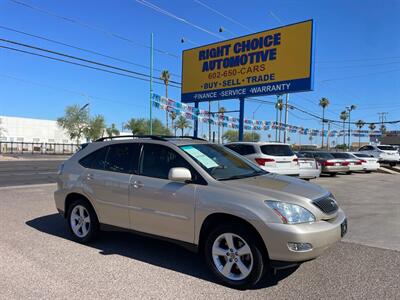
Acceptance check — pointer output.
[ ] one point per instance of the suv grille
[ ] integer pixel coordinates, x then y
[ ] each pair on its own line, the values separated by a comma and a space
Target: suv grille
327, 204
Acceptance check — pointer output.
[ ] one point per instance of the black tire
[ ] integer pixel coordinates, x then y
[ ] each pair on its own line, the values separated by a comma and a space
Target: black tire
92, 228
392, 164
368, 171
348, 172
260, 260
332, 174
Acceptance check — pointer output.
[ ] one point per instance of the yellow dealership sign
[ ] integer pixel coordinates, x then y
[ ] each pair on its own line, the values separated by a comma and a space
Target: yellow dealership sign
274, 61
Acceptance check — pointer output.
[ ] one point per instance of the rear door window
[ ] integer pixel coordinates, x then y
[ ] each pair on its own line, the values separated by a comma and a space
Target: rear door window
277, 150
123, 158
386, 148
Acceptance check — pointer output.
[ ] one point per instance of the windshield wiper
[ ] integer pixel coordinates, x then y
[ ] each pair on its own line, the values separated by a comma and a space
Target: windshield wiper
255, 173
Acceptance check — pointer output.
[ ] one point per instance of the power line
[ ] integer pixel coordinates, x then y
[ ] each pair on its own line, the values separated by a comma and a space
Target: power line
175, 17
91, 27
357, 76
223, 15
355, 60
81, 49
82, 59
81, 65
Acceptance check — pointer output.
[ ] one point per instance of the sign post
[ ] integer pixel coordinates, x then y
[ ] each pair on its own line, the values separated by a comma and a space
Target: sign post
271, 62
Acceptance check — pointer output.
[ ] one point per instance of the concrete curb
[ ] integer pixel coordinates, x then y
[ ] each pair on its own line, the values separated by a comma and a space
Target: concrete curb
27, 186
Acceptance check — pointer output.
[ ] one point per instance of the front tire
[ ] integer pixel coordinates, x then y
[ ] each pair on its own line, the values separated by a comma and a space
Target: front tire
82, 221
235, 256
332, 174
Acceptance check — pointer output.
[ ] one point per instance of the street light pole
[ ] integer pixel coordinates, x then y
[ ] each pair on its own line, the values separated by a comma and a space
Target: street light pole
151, 83
349, 109
286, 118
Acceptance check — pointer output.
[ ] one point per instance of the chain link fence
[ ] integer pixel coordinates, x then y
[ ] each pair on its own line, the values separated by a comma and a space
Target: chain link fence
37, 148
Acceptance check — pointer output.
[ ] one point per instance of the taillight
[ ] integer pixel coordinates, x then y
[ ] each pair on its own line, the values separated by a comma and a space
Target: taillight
345, 163
262, 161
327, 163
362, 161
359, 162
296, 160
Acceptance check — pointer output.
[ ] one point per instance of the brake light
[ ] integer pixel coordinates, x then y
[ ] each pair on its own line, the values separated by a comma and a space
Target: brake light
327, 163
363, 161
345, 163
262, 161
359, 162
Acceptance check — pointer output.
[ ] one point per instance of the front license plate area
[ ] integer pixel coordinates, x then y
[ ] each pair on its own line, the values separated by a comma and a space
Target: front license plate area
343, 228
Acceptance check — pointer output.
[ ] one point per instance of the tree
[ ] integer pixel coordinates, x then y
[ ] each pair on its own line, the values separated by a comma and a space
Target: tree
233, 136
344, 116
112, 131
165, 76
75, 121
383, 128
141, 127
95, 129
323, 102
182, 123
173, 117
269, 137
221, 112
360, 124
372, 126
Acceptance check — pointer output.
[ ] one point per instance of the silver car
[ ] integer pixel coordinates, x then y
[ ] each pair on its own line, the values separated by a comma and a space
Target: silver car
202, 196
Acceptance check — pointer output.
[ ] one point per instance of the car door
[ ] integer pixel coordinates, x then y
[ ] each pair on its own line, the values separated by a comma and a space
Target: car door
157, 205
107, 182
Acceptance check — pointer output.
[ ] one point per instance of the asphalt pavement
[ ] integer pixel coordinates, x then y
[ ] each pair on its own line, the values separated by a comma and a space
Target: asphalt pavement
28, 172
38, 259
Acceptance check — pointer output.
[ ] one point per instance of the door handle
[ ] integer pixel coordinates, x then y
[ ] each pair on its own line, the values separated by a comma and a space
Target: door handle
137, 184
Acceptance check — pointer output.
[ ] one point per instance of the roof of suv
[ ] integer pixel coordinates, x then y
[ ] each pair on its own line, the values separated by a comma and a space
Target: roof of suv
179, 141
258, 143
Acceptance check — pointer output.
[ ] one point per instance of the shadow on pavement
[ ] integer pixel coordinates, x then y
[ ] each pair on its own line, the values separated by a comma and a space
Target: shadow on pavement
153, 251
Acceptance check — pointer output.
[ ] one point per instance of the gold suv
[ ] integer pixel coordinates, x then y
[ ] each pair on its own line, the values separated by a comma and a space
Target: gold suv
201, 195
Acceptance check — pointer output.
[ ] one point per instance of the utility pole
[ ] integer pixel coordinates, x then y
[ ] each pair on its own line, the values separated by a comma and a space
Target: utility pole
286, 118
382, 117
209, 120
349, 109
327, 138
151, 83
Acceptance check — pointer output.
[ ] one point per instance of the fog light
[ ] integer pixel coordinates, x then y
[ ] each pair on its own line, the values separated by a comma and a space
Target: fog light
299, 247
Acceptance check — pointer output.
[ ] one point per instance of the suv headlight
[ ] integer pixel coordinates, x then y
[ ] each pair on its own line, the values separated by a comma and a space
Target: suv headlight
291, 213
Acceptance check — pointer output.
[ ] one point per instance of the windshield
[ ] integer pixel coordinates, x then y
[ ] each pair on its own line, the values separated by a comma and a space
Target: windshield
277, 150
386, 148
221, 163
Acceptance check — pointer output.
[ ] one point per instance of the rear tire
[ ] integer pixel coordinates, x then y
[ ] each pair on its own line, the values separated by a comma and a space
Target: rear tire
235, 256
348, 172
82, 221
332, 174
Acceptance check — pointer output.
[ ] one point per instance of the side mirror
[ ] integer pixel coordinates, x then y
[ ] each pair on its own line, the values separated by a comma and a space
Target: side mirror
179, 174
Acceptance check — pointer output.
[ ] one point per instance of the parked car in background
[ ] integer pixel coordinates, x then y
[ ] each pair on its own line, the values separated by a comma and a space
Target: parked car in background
369, 162
385, 154
329, 164
355, 164
276, 158
309, 167
242, 219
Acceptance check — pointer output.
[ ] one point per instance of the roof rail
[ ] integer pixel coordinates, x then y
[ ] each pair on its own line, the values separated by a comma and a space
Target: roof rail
153, 137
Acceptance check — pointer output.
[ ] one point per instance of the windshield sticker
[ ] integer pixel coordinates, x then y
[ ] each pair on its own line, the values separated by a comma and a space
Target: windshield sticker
200, 156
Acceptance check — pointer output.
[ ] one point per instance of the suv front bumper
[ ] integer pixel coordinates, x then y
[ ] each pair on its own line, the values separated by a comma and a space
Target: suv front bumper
321, 235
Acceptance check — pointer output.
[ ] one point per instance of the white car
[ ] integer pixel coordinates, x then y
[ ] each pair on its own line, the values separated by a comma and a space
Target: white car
355, 164
309, 167
369, 162
273, 157
384, 153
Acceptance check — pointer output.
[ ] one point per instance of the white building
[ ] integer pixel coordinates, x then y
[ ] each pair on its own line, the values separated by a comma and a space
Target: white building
27, 130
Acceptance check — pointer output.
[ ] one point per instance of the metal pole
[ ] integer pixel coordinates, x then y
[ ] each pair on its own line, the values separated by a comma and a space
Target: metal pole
286, 118
196, 121
209, 120
151, 82
276, 122
241, 119
348, 139
327, 138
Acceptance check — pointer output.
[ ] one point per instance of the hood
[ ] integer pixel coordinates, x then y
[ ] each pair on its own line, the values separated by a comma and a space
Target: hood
279, 187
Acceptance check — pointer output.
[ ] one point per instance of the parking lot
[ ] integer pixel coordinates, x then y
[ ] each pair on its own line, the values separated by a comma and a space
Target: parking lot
39, 260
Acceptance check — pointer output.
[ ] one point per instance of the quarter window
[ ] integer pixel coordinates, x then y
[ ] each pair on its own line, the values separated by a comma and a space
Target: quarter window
95, 160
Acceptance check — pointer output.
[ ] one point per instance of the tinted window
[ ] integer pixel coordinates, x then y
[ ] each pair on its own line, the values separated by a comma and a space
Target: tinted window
158, 160
388, 148
361, 155
277, 150
242, 149
123, 158
341, 155
95, 160
323, 155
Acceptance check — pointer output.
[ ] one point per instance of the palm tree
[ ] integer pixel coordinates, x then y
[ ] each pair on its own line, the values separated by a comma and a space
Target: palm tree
165, 76
182, 123
173, 117
221, 112
112, 131
383, 128
279, 106
269, 137
310, 138
343, 116
323, 102
372, 126
360, 124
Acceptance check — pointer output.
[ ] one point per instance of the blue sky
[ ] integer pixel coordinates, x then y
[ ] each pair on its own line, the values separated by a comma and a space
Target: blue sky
357, 54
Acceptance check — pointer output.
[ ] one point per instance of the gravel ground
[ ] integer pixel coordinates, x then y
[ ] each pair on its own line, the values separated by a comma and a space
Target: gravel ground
38, 260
